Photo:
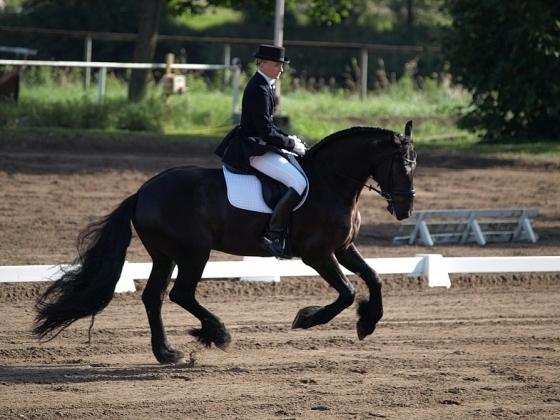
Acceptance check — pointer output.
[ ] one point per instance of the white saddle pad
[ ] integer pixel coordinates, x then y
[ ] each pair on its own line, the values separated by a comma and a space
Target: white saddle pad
245, 191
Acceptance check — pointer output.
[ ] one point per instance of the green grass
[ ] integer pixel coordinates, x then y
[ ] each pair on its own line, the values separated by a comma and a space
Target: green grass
13, 3
205, 111
70, 107
214, 17
316, 115
201, 109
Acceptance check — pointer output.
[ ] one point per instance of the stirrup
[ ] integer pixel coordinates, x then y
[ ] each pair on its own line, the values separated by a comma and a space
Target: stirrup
277, 247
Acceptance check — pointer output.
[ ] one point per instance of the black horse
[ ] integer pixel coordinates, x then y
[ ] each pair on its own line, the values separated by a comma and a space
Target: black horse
183, 213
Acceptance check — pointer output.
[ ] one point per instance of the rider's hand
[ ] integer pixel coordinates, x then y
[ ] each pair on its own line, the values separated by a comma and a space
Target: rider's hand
299, 147
294, 138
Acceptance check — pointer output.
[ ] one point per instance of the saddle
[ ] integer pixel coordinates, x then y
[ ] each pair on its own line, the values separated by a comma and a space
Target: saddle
255, 191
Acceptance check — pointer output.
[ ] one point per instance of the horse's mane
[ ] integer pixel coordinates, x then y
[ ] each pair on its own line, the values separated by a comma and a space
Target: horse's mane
359, 129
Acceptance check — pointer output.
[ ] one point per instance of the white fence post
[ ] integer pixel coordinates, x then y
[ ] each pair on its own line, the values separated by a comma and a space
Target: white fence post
101, 87
235, 87
435, 268
227, 60
87, 58
126, 282
364, 75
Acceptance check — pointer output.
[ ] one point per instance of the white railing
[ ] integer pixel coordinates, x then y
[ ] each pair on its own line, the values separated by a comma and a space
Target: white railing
469, 225
434, 266
103, 66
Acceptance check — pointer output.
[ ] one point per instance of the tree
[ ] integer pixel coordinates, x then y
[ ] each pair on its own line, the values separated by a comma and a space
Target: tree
320, 11
507, 53
77, 15
145, 47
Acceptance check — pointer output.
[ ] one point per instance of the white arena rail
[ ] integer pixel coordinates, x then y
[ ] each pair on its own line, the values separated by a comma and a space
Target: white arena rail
104, 65
434, 266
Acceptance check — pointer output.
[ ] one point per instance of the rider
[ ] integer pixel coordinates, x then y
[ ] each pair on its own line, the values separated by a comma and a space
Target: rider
259, 144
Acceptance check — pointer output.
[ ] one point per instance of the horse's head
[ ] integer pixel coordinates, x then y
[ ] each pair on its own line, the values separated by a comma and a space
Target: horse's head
397, 185
358, 153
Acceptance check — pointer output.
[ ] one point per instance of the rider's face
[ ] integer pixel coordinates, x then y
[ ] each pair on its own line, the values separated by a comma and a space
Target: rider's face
272, 69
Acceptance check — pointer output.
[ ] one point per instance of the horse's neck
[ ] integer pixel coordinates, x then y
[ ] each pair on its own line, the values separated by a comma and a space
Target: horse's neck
354, 159
346, 166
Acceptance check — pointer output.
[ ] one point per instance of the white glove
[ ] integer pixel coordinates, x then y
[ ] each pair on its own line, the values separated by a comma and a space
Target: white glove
299, 148
295, 138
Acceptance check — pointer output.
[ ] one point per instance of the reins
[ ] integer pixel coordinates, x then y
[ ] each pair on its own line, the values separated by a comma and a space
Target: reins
384, 194
336, 171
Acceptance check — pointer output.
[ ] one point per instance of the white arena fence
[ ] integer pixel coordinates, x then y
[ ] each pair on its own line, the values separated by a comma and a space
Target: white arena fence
435, 267
235, 68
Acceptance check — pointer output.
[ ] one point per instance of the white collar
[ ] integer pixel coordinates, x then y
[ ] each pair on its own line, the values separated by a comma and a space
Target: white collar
268, 79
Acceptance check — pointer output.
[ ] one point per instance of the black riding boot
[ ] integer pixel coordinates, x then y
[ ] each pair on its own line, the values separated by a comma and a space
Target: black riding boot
273, 241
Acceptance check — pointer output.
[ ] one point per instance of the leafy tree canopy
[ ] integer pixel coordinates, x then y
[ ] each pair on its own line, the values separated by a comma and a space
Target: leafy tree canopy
319, 11
507, 52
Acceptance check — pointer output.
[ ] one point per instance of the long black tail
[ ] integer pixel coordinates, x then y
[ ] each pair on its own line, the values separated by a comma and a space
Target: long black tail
88, 287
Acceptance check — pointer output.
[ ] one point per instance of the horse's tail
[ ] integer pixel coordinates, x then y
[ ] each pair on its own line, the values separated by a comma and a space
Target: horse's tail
88, 287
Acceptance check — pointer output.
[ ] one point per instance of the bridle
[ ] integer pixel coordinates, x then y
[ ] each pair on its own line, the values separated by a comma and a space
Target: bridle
392, 192
387, 195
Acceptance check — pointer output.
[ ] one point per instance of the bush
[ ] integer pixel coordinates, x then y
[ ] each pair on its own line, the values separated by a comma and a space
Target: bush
146, 115
38, 75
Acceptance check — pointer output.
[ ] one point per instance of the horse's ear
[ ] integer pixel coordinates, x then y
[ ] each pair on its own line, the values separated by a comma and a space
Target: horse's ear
408, 130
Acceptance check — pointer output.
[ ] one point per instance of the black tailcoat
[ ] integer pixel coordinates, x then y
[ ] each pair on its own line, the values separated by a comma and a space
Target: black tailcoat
256, 133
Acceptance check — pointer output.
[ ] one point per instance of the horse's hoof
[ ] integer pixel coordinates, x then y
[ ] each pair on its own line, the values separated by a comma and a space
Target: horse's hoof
223, 339
305, 317
365, 329
170, 356
206, 336
361, 335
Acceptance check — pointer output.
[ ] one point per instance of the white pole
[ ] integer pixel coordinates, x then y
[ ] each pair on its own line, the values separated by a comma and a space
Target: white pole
87, 76
279, 39
227, 60
101, 87
279, 23
236, 75
363, 83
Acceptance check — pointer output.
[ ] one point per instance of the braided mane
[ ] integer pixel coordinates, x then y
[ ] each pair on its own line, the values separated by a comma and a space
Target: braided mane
359, 129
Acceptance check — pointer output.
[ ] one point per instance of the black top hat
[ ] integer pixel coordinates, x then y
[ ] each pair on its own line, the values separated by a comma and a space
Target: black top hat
272, 53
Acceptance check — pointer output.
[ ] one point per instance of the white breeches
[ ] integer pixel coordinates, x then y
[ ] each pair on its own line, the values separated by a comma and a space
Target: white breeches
280, 169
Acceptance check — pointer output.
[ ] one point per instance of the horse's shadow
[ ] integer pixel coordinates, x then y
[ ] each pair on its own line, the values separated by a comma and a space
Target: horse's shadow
67, 374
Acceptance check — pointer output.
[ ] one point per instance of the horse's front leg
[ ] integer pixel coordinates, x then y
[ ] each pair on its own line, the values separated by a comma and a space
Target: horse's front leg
370, 311
329, 269
183, 293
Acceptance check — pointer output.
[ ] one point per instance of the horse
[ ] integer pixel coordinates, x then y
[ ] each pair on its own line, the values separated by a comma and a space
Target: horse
183, 213
9, 85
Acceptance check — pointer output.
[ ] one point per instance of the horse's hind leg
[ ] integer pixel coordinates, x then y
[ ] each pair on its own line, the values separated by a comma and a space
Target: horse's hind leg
183, 294
370, 310
153, 299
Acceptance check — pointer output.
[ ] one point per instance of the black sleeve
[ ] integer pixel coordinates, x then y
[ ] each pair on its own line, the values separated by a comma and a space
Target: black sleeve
261, 107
